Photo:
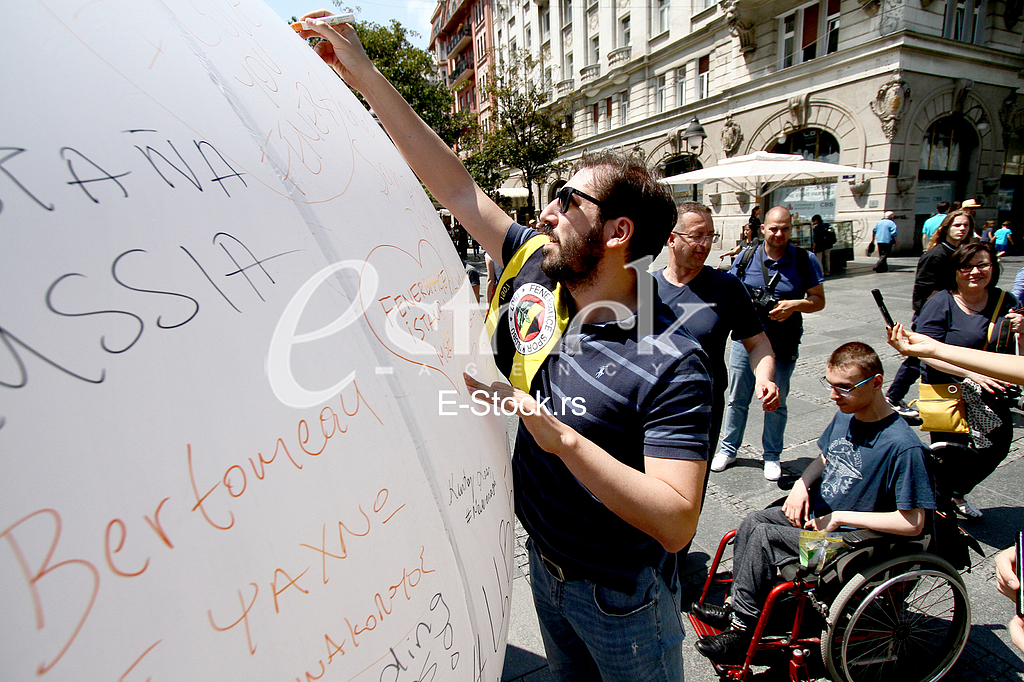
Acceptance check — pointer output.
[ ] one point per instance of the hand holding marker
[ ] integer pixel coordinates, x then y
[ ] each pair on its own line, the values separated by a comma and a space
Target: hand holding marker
334, 20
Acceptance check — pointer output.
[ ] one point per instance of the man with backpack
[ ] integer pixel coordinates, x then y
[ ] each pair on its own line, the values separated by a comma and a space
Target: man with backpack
823, 238
784, 282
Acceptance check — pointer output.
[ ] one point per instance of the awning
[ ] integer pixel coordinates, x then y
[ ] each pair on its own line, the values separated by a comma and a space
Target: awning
514, 192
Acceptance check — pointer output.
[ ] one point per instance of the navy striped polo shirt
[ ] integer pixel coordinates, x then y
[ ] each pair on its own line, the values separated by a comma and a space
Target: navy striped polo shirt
635, 397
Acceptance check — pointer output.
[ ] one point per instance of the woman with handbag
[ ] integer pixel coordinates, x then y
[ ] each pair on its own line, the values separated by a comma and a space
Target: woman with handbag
934, 274
974, 314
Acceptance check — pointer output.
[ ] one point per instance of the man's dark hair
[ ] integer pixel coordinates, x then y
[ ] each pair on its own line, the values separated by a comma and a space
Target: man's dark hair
627, 187
856, 354
942, 207
965, 252
816, 218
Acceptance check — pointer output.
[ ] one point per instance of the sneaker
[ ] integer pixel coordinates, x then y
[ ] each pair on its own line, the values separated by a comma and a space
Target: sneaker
721, 461
967, 510
730, 646
772, 470
716, 616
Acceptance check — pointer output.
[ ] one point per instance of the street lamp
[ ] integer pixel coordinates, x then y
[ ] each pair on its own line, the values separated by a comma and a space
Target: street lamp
695, 136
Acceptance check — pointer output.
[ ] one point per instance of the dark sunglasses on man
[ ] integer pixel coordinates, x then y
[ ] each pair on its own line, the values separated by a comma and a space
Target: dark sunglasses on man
564, 197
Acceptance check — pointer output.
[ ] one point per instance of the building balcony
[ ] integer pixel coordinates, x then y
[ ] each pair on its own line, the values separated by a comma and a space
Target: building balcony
589, 77
619, 56
462, 70
462, 37
564, 88
590, 72
452, 14
617, 60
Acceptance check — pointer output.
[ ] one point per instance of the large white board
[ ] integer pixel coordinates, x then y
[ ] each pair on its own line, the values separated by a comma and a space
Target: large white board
230, 323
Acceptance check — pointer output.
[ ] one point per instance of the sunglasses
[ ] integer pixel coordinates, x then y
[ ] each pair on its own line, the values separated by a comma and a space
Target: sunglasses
564, 197
842, 390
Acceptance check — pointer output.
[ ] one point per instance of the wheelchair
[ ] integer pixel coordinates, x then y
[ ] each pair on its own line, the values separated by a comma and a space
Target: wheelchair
884, 608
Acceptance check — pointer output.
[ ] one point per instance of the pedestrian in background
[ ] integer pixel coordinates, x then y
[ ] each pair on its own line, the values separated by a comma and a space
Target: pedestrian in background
932, 224
988, 231
884, 236
823, 238
1003, 238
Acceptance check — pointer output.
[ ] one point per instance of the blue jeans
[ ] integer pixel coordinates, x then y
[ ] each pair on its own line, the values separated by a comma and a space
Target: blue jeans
741, 392
592, 632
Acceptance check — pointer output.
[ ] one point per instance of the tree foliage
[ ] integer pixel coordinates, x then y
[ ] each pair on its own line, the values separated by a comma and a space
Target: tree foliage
412, 71
486, 169
526, 132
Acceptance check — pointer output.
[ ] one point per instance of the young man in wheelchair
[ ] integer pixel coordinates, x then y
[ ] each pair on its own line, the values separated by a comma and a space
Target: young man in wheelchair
871, 474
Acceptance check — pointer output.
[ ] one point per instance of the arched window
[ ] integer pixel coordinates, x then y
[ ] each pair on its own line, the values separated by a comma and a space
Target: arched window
813, 144
947, 145
806, 198
684, 163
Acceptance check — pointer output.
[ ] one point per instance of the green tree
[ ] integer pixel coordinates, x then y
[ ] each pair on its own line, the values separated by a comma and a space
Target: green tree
527, 133
412, 71
486, 169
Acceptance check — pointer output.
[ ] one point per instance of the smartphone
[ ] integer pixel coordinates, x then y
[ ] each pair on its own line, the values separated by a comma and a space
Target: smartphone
1020, 572
881, 306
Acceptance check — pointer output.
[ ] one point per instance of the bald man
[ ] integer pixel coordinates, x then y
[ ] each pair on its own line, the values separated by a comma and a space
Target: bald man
799, 290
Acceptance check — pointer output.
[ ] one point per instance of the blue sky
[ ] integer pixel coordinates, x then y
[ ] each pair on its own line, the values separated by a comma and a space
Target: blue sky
414, 14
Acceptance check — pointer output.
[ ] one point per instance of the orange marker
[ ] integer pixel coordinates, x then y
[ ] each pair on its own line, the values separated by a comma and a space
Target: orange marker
333, 20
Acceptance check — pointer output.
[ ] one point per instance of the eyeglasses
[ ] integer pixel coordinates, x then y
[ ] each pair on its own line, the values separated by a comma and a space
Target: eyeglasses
564, 197
842, 390
700, 238
982, 267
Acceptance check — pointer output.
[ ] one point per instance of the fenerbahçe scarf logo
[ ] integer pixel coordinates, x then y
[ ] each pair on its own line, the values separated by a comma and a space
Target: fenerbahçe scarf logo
531, 318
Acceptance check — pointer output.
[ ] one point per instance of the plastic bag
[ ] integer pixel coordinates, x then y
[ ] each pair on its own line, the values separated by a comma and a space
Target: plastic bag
817, 547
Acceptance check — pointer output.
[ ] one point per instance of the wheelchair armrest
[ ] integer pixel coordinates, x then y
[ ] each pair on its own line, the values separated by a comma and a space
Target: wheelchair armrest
862, 537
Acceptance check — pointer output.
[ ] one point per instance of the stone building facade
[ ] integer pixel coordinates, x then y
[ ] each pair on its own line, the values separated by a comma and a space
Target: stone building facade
925, 90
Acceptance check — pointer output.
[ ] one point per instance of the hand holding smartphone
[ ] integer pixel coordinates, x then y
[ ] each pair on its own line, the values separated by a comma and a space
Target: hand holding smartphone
881, 307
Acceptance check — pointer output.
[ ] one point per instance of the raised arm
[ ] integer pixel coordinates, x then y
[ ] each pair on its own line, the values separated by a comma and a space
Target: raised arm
428, 156
997, 365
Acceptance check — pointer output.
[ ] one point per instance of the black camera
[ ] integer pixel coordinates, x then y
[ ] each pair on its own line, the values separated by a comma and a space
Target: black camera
764, 298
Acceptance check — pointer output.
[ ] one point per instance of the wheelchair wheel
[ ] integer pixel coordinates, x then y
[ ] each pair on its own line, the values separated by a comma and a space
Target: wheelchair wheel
906, 619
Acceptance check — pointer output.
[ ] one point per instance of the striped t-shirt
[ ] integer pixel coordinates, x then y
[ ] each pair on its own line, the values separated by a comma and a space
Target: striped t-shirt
634, 396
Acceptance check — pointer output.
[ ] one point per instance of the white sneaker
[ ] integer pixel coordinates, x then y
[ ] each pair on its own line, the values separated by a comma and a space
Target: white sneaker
772, 471
721, 461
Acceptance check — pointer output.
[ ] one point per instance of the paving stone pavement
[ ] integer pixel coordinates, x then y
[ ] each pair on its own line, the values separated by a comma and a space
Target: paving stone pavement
850, 314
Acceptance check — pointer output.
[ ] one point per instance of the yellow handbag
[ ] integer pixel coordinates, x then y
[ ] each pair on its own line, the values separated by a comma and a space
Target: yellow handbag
941, 408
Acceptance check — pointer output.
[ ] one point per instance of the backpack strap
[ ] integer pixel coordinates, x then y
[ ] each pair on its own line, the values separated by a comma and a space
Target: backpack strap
748, 255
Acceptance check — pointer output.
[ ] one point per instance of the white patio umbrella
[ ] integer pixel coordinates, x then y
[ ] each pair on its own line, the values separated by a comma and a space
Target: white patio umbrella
760, 168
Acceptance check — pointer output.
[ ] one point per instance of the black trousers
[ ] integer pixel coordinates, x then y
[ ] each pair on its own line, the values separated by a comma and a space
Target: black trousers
884, 249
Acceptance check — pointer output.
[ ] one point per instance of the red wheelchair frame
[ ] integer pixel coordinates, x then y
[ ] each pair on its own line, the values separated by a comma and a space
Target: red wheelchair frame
918, 594
799, 647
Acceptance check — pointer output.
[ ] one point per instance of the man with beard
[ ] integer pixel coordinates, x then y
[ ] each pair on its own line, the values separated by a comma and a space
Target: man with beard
711, 304
608, 474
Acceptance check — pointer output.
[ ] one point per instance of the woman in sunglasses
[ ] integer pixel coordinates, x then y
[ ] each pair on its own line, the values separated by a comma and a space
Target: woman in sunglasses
973, 314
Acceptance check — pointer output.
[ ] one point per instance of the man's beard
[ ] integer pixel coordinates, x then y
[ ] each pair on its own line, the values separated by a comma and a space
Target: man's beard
576, 262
